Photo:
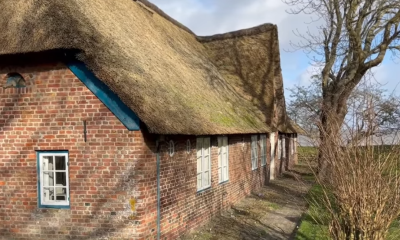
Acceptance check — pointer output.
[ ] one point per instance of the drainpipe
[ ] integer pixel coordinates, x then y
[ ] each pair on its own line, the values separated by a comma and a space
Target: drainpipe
158, 146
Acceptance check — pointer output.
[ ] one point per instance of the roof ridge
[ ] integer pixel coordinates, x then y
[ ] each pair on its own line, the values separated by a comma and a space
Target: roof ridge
160, 12
238, 33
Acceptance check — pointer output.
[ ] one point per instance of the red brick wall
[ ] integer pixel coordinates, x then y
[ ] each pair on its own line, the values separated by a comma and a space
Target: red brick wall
113, 167
182, 207
48, 115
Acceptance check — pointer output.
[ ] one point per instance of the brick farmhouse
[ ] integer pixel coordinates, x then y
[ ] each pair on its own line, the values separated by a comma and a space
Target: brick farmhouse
117, 122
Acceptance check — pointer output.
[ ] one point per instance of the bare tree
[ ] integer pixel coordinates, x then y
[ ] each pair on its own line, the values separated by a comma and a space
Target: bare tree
304, 107
353, 37
372, 110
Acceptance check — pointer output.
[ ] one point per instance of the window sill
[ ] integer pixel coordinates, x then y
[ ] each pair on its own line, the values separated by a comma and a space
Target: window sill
203, 190
54, 206
224, 182
253, 169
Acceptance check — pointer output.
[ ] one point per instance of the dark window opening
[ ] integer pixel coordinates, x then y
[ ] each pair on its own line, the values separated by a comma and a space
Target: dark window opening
14, 80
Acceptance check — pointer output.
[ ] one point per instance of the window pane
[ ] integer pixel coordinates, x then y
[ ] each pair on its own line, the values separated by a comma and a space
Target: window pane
61, 193
199, 180
48, 179
225, 173
48, 193
48, 163
61, 178
206, 163
199, 147
206, 179
60, 163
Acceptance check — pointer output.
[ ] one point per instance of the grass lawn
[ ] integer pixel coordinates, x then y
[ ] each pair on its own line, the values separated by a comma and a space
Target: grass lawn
309, 228
318, 230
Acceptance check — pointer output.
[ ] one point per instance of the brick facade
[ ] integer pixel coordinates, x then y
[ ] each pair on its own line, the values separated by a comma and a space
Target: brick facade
48, 115
182, 206
113, 185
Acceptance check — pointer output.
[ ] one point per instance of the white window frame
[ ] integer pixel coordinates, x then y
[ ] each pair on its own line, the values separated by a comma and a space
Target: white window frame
272, 138
171, 148
263, 149
41, 191
279, 146
223, 159
254, 152
188, 146
203, 147
291, 147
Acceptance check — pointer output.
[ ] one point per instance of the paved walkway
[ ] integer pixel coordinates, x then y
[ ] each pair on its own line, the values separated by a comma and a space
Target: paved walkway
272, 213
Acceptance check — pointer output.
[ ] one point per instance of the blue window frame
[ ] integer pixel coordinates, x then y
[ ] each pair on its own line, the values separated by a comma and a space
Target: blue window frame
53, 179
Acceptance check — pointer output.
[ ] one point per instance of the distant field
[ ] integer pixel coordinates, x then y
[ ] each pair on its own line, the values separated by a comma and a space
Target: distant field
306, 154
311, 153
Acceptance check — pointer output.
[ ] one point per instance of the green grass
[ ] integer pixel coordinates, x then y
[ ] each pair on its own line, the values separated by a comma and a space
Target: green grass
273, 206
318, 229
314, 224
315, 221
307, 154
307, 150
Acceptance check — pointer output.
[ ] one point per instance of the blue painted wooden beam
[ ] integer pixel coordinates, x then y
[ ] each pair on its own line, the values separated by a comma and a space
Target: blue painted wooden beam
127, 117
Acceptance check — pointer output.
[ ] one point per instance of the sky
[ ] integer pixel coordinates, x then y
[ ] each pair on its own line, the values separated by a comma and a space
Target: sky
208, 17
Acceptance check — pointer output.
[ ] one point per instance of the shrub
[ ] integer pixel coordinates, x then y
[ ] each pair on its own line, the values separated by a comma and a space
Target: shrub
360, 191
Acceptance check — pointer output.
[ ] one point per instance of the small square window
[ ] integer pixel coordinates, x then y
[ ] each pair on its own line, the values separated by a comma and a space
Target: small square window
53, 174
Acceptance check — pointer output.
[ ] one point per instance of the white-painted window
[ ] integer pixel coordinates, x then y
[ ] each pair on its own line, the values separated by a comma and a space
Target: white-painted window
272, 162
188, 146
279, 146
203, 163
171, 148
263, 149
223, 159
254, 152
53, 179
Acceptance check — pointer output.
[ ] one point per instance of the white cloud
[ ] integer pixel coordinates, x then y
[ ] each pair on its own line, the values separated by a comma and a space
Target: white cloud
219, 16
305, 78
387, 75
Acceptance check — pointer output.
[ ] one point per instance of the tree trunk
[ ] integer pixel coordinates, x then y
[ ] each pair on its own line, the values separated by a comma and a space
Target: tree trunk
332, 118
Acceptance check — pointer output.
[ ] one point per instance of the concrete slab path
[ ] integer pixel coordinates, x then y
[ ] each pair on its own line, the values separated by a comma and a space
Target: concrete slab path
273, 212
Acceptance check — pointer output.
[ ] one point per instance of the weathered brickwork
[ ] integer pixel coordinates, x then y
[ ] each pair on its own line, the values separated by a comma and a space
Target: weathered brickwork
182, 206
113, 175
48, 115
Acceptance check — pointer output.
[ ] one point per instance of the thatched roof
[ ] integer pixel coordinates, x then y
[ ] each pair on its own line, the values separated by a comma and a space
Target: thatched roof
157, 66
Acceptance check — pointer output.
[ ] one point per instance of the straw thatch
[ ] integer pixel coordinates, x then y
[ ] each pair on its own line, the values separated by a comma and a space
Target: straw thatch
250, 60
156, 65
